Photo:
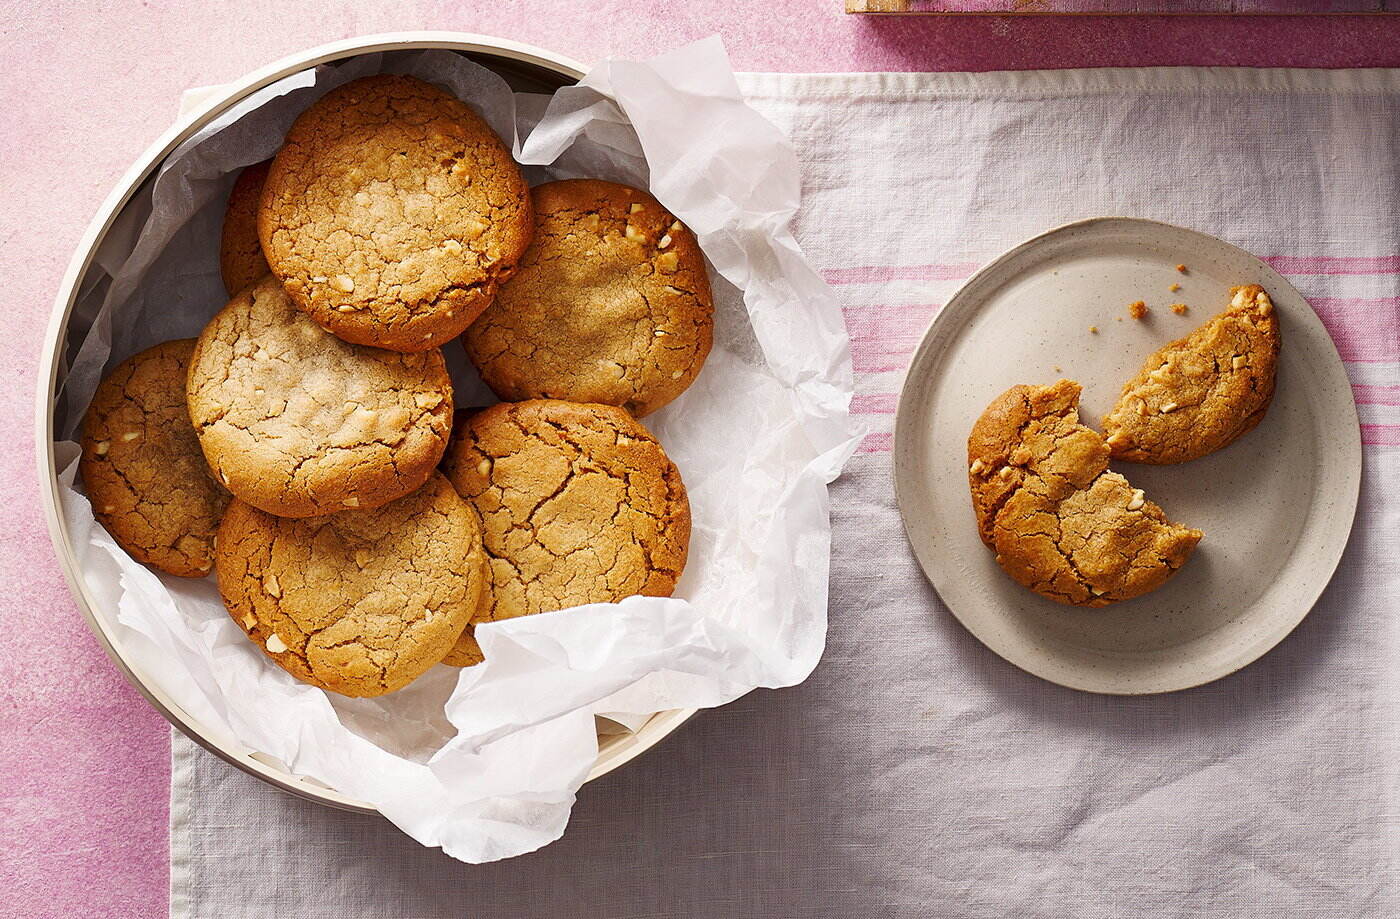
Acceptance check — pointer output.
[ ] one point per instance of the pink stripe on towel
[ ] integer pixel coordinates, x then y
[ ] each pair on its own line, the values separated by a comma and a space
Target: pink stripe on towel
1364, 329
1375, 435
881, 403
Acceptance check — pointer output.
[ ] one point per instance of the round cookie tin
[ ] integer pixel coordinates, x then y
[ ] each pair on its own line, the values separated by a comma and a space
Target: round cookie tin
525, 67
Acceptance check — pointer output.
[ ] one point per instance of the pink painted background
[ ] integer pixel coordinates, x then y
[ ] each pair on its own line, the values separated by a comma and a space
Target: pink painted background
1151, 6
83, 760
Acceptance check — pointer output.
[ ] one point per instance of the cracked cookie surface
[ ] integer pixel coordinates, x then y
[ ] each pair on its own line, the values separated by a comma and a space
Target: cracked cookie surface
297, 422
393, 212
142, 467
241, 259
361, 602
578, 504
611, 303
1198, 394
1058, 520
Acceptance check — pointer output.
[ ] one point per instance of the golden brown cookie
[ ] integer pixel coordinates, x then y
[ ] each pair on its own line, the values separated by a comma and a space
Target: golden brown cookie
466, 652
1199, 393
142, 468
392, 213
361, 602
1059, 521
241, 259
297, 422
578, 504
611, 303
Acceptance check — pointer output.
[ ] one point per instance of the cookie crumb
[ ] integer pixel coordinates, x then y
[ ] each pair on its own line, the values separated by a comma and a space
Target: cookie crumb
1181, 268
1181, 309
1174, 288
1094, 329
1137, 309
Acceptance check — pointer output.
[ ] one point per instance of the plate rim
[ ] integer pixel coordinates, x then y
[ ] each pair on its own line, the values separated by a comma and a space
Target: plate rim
904, 424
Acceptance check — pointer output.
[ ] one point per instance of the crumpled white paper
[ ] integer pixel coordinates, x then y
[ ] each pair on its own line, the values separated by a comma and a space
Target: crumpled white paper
484, 762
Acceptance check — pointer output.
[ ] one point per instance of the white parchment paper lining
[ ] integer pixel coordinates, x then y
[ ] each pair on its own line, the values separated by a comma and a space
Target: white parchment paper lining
484, 762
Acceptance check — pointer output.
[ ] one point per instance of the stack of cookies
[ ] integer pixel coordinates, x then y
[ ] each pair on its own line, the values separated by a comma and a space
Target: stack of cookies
305, 447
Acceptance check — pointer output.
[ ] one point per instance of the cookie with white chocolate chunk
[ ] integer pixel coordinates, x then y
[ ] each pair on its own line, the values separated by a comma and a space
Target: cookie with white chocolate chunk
611, 304
297, 422
579, 504
1200, 393
392, 213
1058, 520
241, 259
360, 602
142, 466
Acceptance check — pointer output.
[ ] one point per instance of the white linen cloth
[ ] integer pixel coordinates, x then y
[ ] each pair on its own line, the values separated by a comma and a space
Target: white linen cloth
916, 773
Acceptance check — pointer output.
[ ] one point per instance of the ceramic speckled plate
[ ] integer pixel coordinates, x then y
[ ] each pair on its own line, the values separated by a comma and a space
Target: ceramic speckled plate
1276, 506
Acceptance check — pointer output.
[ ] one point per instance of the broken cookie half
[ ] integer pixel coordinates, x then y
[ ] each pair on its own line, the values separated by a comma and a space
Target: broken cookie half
1198, 394
1058, 520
